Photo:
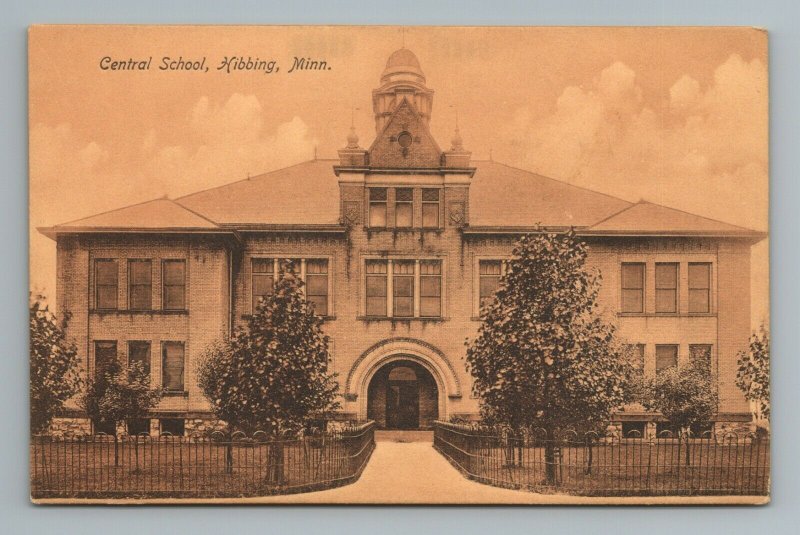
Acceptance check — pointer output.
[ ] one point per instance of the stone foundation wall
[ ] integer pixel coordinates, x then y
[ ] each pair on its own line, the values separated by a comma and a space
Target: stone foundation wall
70, 427
741, 429
204, 426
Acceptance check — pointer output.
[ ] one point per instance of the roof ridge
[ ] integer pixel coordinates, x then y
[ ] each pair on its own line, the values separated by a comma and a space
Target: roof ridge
198, 214
645, 201
112, 210
564, 182
259, 176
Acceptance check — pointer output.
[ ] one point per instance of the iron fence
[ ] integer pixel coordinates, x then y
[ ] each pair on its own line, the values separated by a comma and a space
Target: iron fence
591, 464
215, 465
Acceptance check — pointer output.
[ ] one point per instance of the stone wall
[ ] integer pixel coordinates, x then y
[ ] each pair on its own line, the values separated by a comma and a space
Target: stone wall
70, 427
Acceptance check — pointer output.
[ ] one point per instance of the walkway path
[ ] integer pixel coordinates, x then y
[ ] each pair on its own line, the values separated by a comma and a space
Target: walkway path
405, 468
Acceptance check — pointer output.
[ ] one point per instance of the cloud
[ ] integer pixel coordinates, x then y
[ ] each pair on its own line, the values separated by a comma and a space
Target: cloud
707, 143
72, 178
681, 149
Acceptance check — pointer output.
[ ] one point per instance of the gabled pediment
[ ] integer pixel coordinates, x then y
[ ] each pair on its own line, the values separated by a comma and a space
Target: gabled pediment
405, 142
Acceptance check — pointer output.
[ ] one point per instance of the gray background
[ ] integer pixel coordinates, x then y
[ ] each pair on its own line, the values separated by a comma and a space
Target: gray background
18, 516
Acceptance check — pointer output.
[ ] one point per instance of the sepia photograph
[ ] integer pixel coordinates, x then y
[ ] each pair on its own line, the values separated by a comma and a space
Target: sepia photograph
399, 265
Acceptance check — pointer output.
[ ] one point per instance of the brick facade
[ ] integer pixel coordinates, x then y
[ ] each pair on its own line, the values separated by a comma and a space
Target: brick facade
219, 260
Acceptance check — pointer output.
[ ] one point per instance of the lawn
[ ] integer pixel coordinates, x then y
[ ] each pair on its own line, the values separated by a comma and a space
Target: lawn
192, 468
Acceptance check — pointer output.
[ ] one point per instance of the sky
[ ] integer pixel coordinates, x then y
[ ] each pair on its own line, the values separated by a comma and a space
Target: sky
677, 116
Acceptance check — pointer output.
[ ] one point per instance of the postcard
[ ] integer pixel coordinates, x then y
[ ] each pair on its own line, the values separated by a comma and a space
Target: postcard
395, 265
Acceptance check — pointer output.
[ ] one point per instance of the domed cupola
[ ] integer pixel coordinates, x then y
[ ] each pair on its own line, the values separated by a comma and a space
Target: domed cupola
402, 78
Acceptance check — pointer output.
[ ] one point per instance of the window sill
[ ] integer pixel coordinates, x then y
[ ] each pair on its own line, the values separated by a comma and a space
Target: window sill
666, 315
400, 320
323, 318
406, 230
154, 312
176, 394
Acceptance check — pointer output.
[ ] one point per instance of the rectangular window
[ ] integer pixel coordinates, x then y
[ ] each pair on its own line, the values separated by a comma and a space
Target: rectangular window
376, 287
172, 426
637, 351
701, 353
377, 207
430, 208
140, 284
105, 352
263, 279
666, 287
430, 288
139, 352
700, 287
172, 366
489, 272
666, 357
174, 284
403, 284
106, 280
317, 285
403, 207
633, 287
633, 429
138, 426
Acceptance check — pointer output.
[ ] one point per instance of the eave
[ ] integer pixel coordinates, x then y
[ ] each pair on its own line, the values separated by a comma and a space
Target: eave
54, 232
406, 171
500, 230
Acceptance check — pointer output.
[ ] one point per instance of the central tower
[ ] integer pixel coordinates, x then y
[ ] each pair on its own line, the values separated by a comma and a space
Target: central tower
402, 78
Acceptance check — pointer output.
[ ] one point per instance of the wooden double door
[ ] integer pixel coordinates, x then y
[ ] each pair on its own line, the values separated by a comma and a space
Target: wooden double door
402, 405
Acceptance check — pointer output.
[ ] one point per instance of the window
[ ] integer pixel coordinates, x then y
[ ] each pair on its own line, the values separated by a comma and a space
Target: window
430, 208
638, 357
700, 287
701, 429
403, 288
376, 287
104, 354
172, 426
377, 207
665, 429
403, 207
106, 275
172, 366
263, 279
666, 287
666, 357
633, 287
430, 288
139, 426
633, 429
140, 285
317, 285
139, 352
174, 284
701, 353
403, 284
489, 272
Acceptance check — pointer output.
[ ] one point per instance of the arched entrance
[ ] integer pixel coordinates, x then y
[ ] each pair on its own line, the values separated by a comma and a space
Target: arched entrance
402, 394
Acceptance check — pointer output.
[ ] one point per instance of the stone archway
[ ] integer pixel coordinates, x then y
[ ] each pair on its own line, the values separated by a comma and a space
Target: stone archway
403, 395
431, 361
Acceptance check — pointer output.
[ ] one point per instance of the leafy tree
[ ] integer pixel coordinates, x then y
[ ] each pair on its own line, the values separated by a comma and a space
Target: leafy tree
544, 356
752, 375
272, 375
118, 394
685, 395
54, 367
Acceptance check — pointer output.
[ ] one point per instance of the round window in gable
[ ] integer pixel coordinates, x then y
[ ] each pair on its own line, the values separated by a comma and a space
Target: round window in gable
405, 140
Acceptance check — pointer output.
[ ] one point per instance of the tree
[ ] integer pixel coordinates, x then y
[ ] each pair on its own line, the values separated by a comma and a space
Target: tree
272, 375
752, 375
119, 394
685, 395
544, 356
54, 370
